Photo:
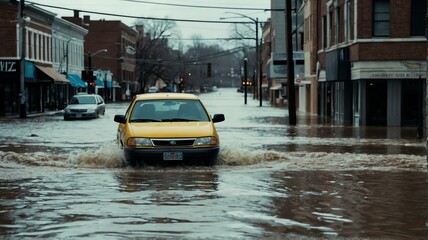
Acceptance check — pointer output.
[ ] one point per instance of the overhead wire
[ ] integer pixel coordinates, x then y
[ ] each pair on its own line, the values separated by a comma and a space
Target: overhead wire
140, 17
202, 6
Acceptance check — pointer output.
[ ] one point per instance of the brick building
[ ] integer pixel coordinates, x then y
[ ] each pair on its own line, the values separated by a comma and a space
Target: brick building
119, 40
44, 87
366, 60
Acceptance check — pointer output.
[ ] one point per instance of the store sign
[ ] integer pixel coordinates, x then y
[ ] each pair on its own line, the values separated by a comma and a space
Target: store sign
8, 66
396, 75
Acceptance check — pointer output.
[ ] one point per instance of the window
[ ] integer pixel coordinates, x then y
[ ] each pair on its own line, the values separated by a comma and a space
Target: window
347, 21
337, 26
329, 27
380, 18
324, 32
419, 11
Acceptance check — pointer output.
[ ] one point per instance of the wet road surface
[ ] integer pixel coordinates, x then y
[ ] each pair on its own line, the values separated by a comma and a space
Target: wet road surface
66, 179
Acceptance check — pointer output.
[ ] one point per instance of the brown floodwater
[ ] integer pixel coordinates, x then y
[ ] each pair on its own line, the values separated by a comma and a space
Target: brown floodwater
67, 180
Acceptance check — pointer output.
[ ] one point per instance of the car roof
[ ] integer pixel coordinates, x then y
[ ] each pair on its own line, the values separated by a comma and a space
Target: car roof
157, 96
85, 95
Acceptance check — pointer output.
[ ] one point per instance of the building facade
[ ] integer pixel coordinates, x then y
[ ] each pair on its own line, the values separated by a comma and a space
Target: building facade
277, 65
119, 40
367, 59
44, 87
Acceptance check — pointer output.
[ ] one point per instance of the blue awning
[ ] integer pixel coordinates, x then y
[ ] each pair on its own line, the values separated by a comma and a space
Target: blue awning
76, 81
100, 83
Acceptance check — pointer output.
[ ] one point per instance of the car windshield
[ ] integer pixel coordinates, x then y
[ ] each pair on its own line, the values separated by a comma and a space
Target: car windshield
83, 100
168, 111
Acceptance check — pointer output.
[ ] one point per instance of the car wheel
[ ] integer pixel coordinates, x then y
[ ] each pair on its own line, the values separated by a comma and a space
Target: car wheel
132, 162
209, 162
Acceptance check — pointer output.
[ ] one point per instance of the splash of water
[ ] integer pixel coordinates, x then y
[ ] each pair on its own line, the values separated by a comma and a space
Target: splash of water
108, 155
239, 157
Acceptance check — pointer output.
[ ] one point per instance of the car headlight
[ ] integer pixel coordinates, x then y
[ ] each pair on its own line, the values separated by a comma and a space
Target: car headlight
206, 141
92, 109
139, 142
66, 110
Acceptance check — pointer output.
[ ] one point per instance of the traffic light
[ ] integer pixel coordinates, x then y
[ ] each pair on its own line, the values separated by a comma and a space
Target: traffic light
88, 76
209, 70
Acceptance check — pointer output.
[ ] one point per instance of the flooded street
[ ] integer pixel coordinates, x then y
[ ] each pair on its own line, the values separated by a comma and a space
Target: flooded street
66, 179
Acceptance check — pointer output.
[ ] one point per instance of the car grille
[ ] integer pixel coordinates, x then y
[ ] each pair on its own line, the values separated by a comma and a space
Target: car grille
78, 110
173, 142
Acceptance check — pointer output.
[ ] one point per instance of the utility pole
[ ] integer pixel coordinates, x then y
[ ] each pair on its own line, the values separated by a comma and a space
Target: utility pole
260, 72
290, 66
245, 80
23, 100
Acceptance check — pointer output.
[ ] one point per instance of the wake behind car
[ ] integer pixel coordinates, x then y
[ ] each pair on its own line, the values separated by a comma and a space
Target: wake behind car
168, 127
84, 106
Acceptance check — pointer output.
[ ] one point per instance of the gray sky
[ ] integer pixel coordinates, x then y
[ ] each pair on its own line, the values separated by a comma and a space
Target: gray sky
139, 8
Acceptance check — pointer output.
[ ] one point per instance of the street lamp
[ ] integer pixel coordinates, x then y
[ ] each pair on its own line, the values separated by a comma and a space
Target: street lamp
256, 22
90, 55
67, 59
245, 80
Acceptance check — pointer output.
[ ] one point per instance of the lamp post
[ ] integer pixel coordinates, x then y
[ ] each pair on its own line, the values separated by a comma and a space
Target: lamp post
256, 22
245, 80
90, 55
23, 101
66, 62
67, 57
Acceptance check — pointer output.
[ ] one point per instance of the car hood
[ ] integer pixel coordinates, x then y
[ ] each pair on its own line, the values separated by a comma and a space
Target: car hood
81, 106
172, 129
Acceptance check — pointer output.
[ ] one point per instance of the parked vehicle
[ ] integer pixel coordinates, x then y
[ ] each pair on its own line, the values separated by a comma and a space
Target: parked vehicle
153, 89
84, 106
168, 127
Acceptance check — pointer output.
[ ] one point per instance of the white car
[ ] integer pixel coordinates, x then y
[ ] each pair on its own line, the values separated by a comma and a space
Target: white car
153, 89
84, 106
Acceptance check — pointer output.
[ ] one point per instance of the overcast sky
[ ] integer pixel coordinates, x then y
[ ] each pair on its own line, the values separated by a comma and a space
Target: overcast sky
146, 9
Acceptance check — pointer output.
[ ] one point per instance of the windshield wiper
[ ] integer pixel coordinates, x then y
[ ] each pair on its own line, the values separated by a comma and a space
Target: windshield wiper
179, 120
145, 120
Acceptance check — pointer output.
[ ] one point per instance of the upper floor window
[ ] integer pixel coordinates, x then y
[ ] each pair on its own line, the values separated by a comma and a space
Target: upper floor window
347, 21
419, 11
380, 18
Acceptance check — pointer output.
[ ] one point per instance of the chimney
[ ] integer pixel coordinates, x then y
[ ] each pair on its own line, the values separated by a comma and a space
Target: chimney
86, 19
76, 13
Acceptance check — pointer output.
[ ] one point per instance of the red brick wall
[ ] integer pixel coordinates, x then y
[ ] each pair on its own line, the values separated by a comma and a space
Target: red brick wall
8, 26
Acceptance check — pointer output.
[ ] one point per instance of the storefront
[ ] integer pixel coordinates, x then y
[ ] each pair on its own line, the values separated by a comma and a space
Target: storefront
9, 87
45, 88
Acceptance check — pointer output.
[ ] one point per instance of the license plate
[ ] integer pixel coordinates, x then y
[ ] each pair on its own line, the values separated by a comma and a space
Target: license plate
78, 115
168, 156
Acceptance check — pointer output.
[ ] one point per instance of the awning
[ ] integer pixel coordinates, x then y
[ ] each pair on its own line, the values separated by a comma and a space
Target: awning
76, 81
56, 77
100, 83
276, 87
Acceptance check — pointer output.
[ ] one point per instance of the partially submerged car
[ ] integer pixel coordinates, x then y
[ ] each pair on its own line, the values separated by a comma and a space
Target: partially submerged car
171, 127
84, 106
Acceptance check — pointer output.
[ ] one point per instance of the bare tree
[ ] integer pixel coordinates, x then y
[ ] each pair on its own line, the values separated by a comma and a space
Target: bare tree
153, 52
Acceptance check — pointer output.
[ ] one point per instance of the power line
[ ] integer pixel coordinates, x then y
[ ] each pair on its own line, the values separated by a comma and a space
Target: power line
202, 6
139, 17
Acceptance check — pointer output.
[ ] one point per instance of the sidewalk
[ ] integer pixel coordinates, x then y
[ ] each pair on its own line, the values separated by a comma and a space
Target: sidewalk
33, 115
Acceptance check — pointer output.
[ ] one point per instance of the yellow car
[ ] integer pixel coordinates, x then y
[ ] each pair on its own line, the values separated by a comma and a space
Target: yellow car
161, 127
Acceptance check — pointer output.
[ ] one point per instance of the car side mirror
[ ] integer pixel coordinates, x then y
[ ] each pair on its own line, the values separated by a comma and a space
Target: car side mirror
120, 119
218, 118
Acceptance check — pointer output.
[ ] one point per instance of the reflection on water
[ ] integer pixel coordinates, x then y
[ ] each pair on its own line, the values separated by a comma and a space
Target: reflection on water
228, 203
354, 204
